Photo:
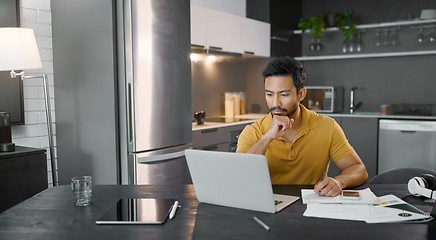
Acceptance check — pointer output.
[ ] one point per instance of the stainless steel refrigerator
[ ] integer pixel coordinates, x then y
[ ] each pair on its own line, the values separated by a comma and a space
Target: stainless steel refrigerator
122, 78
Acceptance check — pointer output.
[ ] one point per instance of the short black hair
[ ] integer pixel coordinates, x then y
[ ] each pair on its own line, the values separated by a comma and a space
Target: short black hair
286, 66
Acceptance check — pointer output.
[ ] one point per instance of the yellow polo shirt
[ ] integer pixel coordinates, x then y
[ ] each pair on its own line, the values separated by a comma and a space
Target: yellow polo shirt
304, 160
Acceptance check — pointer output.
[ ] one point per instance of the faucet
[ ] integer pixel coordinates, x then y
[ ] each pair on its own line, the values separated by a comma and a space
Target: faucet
352, 106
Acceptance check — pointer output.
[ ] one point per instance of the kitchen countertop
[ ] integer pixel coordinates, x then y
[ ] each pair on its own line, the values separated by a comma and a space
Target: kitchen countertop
379, 115
247, 119
250, 118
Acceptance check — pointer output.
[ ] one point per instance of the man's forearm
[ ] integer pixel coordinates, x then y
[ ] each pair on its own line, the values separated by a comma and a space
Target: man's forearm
260, 146
353, 176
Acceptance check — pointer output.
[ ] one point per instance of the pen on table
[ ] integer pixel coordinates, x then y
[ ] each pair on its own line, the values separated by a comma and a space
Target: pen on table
174, 209
261, 223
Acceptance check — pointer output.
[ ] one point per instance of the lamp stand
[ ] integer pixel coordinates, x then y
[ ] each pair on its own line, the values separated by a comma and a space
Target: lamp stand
49, 121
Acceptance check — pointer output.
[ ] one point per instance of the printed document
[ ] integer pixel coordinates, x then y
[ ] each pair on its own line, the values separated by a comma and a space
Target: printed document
393, 209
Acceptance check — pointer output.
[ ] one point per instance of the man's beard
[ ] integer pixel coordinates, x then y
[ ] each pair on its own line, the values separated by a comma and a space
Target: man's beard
286, 112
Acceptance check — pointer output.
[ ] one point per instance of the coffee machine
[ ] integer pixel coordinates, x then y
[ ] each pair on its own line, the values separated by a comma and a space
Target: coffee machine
6, 144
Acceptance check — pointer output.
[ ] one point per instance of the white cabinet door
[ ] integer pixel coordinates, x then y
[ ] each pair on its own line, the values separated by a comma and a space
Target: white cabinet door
256, 37
223, 30
198, 25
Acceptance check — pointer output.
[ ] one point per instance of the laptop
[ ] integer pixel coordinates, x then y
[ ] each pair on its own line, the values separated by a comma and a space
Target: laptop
238, 180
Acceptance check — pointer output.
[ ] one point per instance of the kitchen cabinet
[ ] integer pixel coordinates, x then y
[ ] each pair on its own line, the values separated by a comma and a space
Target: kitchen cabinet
224, 31
362, 134
363, 27
23, 173
281, 16
256, 37
198, 25
220, 138
217, 30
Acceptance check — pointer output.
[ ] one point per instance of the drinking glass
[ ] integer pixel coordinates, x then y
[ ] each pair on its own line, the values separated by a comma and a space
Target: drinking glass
318, 45
312, 45
359, 46
431, 37
378, 39
344, 46
420, 38
82, 190
395, 41
386, 39
351, 46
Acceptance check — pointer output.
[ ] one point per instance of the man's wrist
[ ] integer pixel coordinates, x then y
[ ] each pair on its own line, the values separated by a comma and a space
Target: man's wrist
341, 182
266, 138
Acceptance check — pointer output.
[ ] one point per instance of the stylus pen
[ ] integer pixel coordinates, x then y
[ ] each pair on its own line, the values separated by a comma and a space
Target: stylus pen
174, 209
261, 223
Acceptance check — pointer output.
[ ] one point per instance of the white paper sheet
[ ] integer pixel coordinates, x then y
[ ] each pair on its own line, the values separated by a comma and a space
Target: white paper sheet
356, 212
366, 197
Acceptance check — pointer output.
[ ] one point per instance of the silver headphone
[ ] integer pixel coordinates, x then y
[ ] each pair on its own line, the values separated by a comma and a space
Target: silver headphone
423, 186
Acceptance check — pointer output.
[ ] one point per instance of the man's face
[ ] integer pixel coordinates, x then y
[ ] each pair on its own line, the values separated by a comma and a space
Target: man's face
281, 95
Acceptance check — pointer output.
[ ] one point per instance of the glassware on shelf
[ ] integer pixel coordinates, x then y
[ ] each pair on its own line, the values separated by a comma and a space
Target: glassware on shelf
386, 39
315, 44
359, 45
395, 41
312, 45
345, 46
318, 46
420, 38
378, 39
351, 47
431, 37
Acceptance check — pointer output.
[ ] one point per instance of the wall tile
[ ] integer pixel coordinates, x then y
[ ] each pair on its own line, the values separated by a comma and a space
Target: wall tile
44, 42
36, 4
44, 17
32, 117
28, 15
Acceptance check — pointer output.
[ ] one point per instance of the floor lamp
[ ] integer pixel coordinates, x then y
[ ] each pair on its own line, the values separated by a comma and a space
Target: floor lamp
19, 51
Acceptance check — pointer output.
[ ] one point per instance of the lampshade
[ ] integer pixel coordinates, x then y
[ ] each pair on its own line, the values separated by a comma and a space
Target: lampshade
18, 49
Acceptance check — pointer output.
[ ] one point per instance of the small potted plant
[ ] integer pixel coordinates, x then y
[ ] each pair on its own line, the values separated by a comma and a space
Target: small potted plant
345, 23
346, 26
316, 24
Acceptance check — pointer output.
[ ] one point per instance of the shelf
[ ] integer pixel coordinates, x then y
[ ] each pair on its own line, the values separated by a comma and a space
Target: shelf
377, 25
366, 55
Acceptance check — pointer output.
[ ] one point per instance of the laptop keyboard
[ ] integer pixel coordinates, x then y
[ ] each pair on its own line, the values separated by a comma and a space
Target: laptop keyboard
277, 202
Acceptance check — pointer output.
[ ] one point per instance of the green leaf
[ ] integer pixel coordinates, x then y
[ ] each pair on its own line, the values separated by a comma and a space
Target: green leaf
344, 21
304, 25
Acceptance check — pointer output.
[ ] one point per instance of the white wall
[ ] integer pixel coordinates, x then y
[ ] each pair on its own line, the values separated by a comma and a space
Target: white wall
36, 14
237, 7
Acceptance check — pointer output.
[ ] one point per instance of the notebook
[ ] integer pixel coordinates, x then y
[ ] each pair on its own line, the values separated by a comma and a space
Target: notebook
394, 209
238, 180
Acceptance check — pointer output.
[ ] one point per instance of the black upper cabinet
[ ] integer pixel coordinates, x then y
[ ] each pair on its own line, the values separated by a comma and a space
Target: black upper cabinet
283, 15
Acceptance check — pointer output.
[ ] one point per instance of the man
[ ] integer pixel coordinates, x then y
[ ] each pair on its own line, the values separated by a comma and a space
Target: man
299, 143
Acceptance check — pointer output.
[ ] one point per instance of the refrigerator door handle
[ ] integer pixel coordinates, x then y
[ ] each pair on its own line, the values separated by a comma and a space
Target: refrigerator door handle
152, 158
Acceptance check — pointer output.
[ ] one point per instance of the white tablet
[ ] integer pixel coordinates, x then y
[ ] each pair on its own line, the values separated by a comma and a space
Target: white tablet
138, 211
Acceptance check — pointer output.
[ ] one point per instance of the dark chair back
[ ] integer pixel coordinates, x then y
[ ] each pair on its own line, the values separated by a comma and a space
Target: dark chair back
399, 175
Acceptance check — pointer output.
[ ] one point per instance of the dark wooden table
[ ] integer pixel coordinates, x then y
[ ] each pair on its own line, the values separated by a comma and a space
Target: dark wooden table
51, 214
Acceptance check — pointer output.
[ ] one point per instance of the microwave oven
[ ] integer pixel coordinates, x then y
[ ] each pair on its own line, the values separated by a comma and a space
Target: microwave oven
323, 99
